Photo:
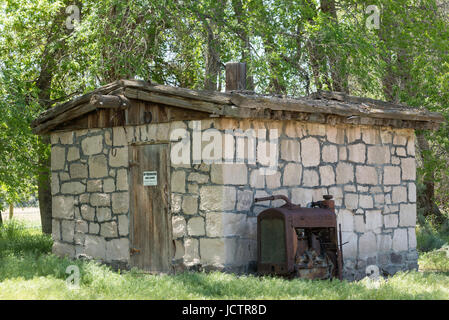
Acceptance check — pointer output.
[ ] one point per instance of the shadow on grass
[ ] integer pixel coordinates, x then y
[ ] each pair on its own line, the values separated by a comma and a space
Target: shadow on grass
223, 286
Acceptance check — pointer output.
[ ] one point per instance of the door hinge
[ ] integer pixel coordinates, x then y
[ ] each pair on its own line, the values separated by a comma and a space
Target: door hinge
133, 251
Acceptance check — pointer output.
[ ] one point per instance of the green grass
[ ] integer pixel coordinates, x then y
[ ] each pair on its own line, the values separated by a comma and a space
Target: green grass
29, 271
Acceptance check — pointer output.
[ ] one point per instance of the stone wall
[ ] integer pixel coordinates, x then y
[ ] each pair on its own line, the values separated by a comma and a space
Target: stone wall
369, 171
90, 195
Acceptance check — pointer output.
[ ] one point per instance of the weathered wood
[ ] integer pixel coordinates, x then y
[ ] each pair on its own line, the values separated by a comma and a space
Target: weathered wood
209, 96
110, 101
235, 76
150, 220
168, 103
63, 117
331, 107
57, 110
180, 102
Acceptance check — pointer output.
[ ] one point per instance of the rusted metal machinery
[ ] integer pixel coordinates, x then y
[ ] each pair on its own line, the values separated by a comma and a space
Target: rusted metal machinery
294, 241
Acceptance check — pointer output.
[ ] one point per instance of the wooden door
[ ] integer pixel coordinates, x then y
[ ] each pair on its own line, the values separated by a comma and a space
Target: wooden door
151, 231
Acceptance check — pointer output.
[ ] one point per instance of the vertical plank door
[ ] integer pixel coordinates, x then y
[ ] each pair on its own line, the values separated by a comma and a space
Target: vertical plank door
151, 232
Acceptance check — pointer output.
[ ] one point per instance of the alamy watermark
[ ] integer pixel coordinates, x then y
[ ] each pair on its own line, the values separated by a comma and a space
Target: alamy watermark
373, 20
74, 16
73, 280
233, 146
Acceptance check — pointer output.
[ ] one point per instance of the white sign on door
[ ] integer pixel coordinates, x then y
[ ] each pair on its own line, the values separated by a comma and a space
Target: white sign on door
150, 178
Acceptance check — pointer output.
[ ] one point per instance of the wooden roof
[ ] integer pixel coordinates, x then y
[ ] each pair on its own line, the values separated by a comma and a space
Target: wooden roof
322, 107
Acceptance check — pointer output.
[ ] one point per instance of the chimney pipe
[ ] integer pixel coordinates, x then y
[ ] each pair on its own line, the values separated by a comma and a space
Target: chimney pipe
235, 76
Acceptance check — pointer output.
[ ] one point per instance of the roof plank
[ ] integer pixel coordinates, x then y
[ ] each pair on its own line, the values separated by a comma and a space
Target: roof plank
243, 104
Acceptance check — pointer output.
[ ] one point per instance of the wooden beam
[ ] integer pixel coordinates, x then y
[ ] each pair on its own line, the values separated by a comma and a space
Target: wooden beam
64, 117
235, 76
109, 101
333, 107
170, 100
208, 96
57, 110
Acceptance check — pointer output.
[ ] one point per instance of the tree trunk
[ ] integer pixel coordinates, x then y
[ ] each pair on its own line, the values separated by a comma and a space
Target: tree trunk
337, 63
212, 28
426, 199
44, 191
44, 181
212, 59
243, 34
11, 210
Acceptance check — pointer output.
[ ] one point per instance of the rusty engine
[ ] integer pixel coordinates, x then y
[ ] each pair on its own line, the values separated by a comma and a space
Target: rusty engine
294, 241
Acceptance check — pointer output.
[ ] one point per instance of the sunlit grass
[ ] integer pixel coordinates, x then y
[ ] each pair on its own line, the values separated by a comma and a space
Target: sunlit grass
29, 271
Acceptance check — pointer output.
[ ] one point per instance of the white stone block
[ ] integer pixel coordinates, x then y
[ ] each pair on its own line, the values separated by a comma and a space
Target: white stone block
190, 204
178, 181
109, 229
98, 166
367, 245
412, 192
411, 238
257, 179
92, 145
345, 173
191, 255
310, 152
408, 166
233, 174
351, 200
290, 150
399, 194
407, 215
57, 158
273, 180
245, 199
292, 174
179, 227
212, 251
392, 175
346, 218
330, 154
217, 198
195, 226
373, 221
366, 175
123, 225
378, 154
384, 242
214, 224
391, 220
357, 153
120, 202
118, 157
310, 178
400, 241
63, 207
350, 248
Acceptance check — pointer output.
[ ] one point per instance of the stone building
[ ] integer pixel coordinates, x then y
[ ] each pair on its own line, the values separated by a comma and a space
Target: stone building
164, 178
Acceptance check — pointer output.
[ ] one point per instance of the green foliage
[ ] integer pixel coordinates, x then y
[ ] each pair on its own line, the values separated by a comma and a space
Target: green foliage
291, 48
19, 147
430, 236
437, 260
18, 239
